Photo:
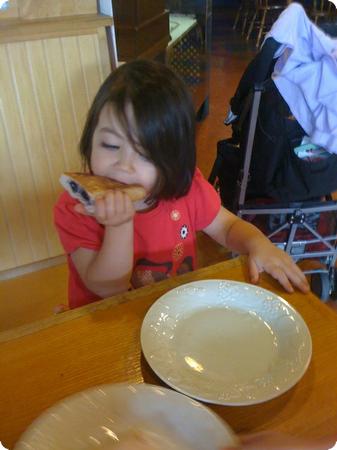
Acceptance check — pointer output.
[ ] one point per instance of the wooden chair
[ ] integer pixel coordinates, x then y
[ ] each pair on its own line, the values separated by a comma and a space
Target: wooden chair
244, 15
322, 9
265, 15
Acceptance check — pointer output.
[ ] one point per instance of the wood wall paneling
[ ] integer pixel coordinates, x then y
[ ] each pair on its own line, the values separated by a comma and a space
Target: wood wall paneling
47, 87
34, 9
7, 251
15, 164
19, 30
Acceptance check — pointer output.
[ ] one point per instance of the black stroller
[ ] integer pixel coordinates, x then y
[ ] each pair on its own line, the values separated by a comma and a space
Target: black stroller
261, 178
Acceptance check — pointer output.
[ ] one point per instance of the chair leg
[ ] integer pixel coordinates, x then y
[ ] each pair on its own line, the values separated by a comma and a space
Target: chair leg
237, 17
244, 23
251, 26
261, 28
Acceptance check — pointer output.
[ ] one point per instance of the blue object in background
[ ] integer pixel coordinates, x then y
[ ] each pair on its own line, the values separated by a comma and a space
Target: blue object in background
4, 4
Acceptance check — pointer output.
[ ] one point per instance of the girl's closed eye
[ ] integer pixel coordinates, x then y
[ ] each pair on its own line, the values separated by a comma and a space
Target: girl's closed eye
110, 146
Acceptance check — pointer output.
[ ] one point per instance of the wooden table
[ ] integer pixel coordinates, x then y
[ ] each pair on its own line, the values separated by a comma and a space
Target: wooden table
42, 363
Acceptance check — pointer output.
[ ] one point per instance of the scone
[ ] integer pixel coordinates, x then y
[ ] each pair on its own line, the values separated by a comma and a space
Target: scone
86, 187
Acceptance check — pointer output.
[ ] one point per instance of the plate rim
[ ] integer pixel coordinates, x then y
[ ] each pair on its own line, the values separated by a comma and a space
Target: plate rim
217, 420
215, 401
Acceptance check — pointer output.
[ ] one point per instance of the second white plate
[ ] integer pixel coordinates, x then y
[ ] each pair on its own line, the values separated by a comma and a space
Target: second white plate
226, 342
102, 416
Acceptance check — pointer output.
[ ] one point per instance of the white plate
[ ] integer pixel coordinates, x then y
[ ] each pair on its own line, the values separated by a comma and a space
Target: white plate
94, 418
226, 342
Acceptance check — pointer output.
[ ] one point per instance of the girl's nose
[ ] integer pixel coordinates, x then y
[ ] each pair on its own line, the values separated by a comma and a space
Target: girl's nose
126, 160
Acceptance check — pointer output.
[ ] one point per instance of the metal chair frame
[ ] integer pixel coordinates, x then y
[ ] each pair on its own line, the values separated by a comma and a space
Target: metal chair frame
296, 214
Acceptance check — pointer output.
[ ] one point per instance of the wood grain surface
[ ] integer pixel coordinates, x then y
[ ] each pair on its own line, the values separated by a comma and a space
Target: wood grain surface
100, 343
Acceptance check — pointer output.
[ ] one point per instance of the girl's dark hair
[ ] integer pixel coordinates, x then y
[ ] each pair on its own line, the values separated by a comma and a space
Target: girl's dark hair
164, 118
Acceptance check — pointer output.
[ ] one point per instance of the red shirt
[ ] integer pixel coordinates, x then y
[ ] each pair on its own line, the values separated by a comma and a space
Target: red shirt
164, 237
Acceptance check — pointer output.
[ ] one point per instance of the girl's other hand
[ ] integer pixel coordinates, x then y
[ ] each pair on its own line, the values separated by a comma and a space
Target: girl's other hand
244, 238
279, 265
112, 209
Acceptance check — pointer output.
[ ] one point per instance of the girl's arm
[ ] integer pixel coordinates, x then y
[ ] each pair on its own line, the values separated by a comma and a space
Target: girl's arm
108, 271
244, 238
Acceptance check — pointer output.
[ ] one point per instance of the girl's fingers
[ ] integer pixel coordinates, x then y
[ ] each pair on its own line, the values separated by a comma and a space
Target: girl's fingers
111, 204
294, 276
279, 275
304, 286
289, 277
129, 208
79, 208
100, 209
298, 278
114, 208
121, 202
253, 271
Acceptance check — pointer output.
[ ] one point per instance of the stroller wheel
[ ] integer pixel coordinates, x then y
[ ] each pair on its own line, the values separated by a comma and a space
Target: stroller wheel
333, 283
320, 285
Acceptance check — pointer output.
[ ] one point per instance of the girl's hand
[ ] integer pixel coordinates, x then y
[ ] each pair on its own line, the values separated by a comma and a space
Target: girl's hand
112, 209
278, 264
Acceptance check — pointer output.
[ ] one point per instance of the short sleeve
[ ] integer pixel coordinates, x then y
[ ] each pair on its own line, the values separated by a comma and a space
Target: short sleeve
204, 201
76, 230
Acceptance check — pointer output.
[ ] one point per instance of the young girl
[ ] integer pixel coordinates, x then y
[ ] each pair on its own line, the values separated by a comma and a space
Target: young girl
141, 130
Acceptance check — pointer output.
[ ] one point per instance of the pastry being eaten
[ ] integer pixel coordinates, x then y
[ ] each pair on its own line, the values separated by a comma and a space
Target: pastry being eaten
86, 187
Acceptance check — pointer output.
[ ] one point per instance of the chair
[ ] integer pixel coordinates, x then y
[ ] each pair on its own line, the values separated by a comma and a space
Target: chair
265, 15
322, 9
245, 14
